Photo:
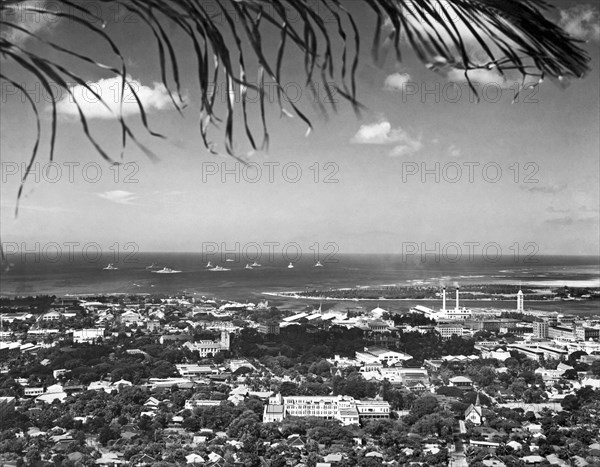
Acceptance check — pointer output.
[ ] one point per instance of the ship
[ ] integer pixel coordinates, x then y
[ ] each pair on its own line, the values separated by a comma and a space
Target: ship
290, 266
209, 265
248, 266
166, 271
220, 268
318, 264
255, 265
152, 266
110, 267
229, 260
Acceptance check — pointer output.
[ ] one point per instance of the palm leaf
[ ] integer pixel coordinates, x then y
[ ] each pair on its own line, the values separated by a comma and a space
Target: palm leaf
514, 35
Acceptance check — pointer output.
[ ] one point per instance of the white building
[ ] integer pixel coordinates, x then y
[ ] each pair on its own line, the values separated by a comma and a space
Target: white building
372, 355
474, 412
51, 316
206, 348
191, 404
449, 329
189, 371
343, 408
87, 335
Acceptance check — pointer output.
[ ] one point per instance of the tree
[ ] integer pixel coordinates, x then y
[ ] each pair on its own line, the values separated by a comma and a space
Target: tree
511, 36
595, 368
288, 388
570, 403
425, 405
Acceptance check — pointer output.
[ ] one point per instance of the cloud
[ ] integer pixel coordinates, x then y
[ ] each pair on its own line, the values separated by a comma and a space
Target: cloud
548, 189
581, 22
152, 98
119, 197
406, 149
453, 151
588, 209
382, 133
23, 14
570, 220
396, 82
483, 77
557, 211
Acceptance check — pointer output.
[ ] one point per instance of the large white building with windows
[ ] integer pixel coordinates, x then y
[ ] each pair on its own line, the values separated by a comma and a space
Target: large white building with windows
343, 408
374, 355
206, 348
87, 335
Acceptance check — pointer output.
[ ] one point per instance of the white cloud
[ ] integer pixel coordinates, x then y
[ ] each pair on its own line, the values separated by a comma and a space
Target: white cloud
382, 133
453, 151
152, 98
493, 79
396, 82
408, 148
24, 14
581, 22
478, 76
119, 196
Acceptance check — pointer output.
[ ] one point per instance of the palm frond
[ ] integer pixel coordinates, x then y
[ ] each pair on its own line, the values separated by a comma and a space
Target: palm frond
513, 35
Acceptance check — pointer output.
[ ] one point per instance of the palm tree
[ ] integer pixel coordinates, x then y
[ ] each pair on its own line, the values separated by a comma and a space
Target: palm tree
502, 36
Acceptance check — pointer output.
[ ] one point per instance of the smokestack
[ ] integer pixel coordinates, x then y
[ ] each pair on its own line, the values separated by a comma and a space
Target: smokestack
444, 299
457, 292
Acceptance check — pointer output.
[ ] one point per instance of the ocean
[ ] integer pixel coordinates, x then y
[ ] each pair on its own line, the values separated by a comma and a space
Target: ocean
76, 276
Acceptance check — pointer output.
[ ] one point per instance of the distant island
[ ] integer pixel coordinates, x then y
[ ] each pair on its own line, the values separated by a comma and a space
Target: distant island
468, 292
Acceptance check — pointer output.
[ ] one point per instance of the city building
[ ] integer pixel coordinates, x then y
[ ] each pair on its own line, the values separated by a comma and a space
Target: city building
7, 406
561, 332
537, 351
381, 355
540, 329
343, 408
191, 370
461, 382
130, 317
87, 335
191, 404
447, 330
474, 412
206, 348
584, 333
269, 329
32, 392
372, 410
456, 313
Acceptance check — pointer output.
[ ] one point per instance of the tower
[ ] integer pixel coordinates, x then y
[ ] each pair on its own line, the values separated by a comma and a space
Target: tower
224, 340
520, 301
457, 294
444, 299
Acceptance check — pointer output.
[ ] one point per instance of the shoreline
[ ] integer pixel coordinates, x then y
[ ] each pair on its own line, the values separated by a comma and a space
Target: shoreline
301, 297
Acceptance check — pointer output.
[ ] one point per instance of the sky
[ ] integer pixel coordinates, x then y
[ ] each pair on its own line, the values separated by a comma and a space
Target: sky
424, 164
